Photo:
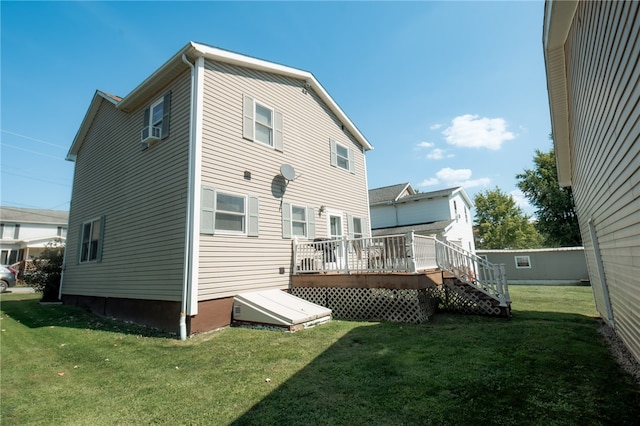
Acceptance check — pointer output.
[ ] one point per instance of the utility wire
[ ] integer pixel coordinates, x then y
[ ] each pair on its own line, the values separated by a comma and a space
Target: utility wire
33, 139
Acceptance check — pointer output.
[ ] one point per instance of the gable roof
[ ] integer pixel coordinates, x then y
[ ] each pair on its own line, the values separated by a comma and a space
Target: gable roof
176, 65
388, 194
391, 194
22, 215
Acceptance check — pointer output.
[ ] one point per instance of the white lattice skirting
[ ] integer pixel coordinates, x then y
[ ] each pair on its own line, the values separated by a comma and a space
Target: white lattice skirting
411, 305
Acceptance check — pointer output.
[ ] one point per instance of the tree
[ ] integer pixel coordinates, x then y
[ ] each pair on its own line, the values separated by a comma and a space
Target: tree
556, 221
501, 224
46, 271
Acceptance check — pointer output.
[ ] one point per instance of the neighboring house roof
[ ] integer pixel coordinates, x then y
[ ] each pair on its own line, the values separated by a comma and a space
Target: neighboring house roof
422, 228
555, 35
388, 193
176, 65
391, 194
22, 215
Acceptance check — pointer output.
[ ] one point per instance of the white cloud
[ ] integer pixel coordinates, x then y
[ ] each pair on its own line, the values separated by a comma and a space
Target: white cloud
449, 177
520, 200
424, 145
429, 182
438, 154
471, 131
435, 126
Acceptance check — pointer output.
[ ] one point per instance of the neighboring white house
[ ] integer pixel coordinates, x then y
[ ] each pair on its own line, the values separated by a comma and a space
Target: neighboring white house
24, 233
593, 79
398, 209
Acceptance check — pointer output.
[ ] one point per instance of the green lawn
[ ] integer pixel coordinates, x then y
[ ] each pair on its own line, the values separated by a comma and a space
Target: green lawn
548, 365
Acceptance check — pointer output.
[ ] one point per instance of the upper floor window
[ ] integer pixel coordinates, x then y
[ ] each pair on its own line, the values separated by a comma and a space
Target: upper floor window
91, 236
16, 231
156, 119
341, 156
228, 213
261, 123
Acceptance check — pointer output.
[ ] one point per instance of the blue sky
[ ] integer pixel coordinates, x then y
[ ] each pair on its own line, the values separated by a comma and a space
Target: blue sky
448, 93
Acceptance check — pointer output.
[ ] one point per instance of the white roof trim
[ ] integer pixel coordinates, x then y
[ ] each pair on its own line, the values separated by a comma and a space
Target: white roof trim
557, 23
193, 50
88, 118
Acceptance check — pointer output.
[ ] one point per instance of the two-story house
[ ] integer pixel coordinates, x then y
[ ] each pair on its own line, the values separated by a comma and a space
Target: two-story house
398, 209
191, 189
593, 75
25, 233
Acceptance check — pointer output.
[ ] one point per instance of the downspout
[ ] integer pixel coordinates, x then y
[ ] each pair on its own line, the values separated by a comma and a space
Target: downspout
188, 234
189, 305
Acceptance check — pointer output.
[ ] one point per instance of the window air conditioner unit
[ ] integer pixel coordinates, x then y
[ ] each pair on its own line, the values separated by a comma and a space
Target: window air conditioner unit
150, 134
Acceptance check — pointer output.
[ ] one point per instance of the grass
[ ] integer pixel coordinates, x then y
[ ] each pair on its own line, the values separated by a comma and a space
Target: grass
548, 365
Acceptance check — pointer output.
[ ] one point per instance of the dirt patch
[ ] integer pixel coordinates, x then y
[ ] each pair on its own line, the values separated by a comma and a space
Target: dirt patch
621, 354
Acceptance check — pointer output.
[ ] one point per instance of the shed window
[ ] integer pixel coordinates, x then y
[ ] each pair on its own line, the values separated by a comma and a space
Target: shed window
522, 262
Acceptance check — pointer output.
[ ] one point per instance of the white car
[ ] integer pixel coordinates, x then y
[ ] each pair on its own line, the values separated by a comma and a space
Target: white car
7, 277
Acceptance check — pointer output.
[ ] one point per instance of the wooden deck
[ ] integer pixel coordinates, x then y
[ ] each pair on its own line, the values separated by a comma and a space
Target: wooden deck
390, 280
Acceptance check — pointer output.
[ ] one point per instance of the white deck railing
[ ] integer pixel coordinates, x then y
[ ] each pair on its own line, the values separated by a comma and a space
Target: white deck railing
393, 253
407, 253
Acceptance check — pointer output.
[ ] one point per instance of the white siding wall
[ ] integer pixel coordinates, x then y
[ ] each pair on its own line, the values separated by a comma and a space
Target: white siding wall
461, 229
142, 195
604, 87
230, 263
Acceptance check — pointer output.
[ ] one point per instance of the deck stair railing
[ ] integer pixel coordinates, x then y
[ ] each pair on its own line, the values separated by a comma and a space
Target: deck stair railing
475, 271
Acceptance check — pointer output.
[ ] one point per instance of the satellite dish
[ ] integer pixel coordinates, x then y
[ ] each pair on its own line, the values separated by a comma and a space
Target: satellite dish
288, 172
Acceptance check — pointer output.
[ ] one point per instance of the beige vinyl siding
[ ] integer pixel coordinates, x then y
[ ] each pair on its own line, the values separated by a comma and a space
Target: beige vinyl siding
603, 73
229, 263
143, 196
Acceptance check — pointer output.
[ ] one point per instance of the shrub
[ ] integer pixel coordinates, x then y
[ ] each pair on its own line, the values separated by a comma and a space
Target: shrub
46, 270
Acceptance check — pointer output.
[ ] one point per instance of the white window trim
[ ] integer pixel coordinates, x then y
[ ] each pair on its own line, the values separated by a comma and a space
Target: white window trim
256, 123
245, 215
350, 158
306, 221
153, 105
522, 257
100, 240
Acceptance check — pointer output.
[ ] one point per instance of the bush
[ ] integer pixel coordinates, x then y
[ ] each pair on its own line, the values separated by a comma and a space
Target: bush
46, 270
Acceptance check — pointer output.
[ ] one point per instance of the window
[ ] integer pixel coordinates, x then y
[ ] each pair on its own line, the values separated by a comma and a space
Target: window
62, 231
522, 262
264, 126
156, 118
298, 221
357, 227
16, 231
341, 156
91, 235
228, 213
261, 123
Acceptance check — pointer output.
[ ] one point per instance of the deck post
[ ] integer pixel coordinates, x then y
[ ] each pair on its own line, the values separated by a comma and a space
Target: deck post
411, 261
294, 241
345, 254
